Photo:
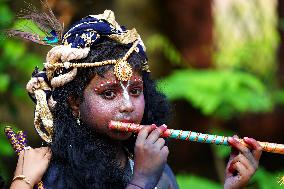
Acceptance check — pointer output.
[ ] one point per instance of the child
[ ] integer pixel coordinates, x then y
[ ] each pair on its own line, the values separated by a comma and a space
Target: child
99, 74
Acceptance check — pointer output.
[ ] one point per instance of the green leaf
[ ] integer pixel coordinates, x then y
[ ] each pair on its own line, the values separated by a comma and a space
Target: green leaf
159, 42
29, 62
267, 180
5, 146
6, 16
19, 92
191, 181
4, 82
218, 92
13, 50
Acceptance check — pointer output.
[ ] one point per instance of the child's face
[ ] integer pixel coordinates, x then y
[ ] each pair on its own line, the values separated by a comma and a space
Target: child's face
107, 99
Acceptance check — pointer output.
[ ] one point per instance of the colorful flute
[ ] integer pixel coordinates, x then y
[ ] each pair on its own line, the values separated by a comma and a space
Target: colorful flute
194, 136
18, 142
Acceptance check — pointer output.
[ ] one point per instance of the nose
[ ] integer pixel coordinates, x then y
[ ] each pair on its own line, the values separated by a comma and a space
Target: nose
126, 106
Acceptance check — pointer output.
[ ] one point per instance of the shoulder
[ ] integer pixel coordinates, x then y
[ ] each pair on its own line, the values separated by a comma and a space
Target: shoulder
168, 180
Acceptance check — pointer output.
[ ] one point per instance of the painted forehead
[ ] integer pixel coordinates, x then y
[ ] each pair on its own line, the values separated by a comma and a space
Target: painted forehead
110, 78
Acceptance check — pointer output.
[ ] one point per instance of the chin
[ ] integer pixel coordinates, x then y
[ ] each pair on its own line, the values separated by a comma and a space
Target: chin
120, 135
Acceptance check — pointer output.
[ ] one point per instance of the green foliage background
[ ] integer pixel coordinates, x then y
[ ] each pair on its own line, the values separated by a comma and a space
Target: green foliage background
233, 86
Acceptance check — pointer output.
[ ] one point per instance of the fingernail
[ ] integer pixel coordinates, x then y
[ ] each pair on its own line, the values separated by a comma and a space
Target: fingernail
230, 139
231, 169
153, 126
246, 138
165, 126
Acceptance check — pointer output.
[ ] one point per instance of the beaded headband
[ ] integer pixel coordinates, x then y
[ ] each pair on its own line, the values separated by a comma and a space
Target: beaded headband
75, 44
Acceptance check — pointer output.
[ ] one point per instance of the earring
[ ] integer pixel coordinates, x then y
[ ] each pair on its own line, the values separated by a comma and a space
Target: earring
78, 120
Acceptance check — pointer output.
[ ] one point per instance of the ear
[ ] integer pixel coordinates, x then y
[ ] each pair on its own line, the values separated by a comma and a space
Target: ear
74, 105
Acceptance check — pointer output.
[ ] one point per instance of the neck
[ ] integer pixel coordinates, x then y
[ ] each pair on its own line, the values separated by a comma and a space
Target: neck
122, 155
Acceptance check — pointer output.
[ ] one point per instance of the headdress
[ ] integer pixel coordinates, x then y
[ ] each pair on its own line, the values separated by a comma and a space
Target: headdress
73, 45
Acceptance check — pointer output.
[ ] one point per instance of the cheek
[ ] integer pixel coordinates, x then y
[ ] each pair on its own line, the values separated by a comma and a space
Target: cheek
140, 106
95, 112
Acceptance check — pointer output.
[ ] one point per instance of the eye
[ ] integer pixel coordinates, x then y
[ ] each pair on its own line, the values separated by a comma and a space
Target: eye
136, 91
108, 94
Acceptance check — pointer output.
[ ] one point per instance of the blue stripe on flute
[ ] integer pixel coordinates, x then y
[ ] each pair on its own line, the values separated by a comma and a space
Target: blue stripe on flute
210, 138
218, 140
175, 134
201, 138
193, 136
226, 141
221, 140
184, 135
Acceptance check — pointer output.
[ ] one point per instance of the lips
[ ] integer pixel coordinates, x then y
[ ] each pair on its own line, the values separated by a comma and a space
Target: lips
126, 121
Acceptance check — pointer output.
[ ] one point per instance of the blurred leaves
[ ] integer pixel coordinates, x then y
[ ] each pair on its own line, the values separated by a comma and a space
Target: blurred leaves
13, 51
261, 180
191, 181
5, 147
16, 63
6, 15
218, 92
267, 180
4, 82
159, 42
246, 35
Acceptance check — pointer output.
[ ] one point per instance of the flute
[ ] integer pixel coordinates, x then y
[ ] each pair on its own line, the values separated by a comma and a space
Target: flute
194, 136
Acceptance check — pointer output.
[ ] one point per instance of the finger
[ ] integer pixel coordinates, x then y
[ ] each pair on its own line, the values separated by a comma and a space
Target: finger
160, 143
48, 155
165, 151
143, 133
44, 150
241, 158
154, 135
242, 148
240, 168
234, 151
255, 147
233, 154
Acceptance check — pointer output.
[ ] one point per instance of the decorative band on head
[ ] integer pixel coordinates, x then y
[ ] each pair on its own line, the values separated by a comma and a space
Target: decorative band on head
74, 45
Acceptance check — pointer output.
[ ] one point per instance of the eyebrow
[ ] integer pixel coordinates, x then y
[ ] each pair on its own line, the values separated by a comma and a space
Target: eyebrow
135, 82
116, 84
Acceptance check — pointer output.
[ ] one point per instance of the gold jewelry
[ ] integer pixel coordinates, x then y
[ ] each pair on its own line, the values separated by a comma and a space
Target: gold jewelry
22, 177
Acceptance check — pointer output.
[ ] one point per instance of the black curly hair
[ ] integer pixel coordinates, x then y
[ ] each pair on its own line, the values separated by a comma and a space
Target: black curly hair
82, 158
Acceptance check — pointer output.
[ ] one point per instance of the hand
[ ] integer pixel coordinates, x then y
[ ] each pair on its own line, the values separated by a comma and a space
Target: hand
243, 162
150, 156
33, 163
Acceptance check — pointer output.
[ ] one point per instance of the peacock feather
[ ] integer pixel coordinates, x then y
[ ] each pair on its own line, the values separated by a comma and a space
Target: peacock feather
39, 26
